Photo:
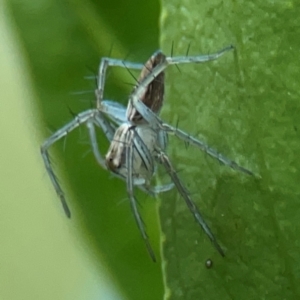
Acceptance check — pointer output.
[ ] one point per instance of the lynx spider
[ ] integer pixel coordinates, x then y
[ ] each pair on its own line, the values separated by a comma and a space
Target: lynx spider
137, 135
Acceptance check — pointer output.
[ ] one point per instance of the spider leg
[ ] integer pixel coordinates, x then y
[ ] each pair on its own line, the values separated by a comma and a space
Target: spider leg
76, 122
163, 158
154, 190
108, 131
193, 141
204, 147
110, 62
198, 58
129, 185
137, 95
156, 122
114, 110
143, 85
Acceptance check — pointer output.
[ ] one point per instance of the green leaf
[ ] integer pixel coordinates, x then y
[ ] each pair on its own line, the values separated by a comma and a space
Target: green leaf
246, 105
64, 41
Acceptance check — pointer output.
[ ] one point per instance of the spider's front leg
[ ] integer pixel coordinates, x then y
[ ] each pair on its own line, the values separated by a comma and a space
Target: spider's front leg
157, 123
137, 98
138, 95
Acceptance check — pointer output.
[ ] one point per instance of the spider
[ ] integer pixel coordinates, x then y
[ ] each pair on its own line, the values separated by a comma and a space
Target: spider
137, 136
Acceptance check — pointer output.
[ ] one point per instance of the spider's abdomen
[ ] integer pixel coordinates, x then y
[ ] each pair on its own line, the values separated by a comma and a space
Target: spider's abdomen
154, 93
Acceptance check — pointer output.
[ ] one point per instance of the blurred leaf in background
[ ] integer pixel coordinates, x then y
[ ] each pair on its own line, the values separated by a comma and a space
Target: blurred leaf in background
39, 258
63, 42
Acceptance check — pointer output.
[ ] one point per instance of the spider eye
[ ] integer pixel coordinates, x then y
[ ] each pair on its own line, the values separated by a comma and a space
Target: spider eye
112, 164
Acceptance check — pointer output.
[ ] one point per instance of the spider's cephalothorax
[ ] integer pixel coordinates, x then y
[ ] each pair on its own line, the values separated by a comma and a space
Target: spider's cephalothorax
143, 140
137, 135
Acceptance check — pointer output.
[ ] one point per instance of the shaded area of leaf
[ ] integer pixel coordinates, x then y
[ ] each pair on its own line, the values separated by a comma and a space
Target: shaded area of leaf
63, 46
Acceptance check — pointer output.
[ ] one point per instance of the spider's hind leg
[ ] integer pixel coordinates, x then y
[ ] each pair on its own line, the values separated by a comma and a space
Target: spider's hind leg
165, 161
129, 140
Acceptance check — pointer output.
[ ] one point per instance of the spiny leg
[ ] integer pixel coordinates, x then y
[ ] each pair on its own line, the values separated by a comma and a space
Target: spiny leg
163, 158
150, 89
108, 131
129, 184
160, 125
79, 119
205, 148
198, 58
155, 121
143, 85
136, 98
110, 62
